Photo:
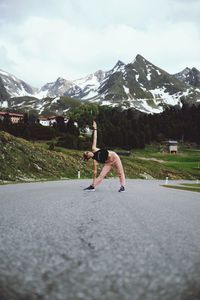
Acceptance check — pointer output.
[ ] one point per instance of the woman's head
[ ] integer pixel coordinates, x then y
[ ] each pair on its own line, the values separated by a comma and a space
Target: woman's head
87, 155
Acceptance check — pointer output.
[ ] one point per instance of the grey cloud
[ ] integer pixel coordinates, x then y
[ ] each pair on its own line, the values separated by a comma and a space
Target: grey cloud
99, 14
6, 61
76, 37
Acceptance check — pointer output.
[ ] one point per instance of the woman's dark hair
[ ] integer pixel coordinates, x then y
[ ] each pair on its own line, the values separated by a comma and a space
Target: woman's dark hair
85, 156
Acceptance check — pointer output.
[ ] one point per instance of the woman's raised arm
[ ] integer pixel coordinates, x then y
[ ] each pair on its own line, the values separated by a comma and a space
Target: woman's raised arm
94, 143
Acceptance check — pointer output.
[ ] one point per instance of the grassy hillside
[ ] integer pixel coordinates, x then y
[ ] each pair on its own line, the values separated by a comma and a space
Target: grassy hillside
21, 160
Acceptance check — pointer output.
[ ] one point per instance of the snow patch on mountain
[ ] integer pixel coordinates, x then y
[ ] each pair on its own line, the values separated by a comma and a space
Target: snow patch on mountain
187, 92
106, 102
160, 93
4, 104
126, 90
137, 77
55, 100
146, 106
158, 72
92, 80
4, 73
149, 73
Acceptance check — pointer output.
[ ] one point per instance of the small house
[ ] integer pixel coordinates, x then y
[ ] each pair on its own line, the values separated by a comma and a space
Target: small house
44, 121
51, 120
172, 147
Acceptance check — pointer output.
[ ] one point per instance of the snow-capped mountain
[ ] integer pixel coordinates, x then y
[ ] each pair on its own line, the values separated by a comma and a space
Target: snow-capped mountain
88, 85
15, 87
57, 88
189, 76
82, 88
139, 84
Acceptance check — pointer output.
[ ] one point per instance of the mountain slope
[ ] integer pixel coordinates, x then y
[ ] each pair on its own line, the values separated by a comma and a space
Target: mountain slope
45, 106
14, 86
139, 84
88, 85
56, 89
3, 92
189, 76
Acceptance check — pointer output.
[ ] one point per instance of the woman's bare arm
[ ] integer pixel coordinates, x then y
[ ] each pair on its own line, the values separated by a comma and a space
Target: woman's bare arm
94, 143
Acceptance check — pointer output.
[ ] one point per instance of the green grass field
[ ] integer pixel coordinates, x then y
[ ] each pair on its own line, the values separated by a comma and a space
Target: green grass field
21, 160
186, 161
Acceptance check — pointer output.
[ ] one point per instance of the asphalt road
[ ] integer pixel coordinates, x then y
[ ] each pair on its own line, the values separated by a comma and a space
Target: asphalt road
60, 242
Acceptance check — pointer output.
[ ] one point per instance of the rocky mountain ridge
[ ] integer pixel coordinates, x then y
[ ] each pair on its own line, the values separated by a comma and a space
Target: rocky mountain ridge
139, 84
189, 76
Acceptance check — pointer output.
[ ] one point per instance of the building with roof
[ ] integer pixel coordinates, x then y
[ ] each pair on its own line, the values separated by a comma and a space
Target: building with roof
14, 117
172, 146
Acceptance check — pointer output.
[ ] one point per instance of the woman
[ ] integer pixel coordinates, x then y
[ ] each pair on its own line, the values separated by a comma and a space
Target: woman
108, 158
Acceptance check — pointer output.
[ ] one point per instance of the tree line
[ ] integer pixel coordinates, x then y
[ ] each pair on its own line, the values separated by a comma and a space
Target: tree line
127, 129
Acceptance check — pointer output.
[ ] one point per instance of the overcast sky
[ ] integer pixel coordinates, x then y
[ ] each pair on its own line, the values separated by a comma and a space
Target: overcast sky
41, 40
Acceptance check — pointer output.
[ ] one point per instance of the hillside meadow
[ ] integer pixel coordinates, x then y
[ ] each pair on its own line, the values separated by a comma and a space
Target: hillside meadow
24, 161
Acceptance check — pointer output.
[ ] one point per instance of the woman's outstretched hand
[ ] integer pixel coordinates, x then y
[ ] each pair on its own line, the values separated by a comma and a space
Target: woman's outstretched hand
94, 125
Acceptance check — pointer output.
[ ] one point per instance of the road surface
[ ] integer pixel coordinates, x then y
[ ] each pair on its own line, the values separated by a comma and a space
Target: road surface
58, 242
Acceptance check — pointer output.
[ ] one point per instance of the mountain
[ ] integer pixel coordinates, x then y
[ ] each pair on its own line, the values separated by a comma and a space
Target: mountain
13, 86
46, 106
139, 84
3, 92
189, 76
18, 95
57, 88
88, 85
79, 88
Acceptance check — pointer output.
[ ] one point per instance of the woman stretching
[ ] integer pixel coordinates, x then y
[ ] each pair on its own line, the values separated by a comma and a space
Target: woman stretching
108, 158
